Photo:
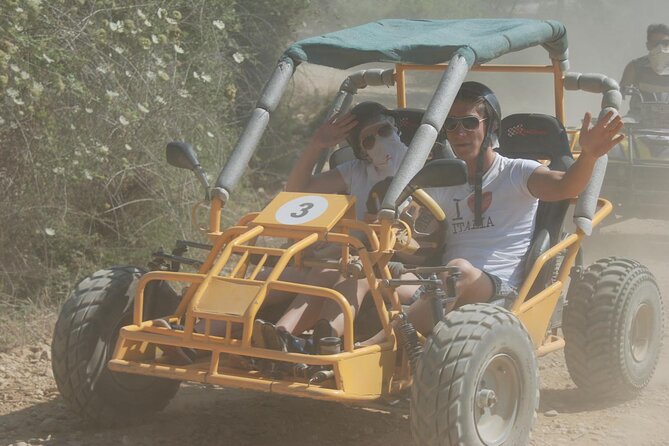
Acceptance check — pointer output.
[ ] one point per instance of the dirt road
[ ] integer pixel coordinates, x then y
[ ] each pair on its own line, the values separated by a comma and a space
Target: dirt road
31, 411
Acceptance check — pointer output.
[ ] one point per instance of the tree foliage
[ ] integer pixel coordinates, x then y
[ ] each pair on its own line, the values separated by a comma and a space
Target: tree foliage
91, 92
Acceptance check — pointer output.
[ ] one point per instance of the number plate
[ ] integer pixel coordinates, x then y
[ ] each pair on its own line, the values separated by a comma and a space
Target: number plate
309, 211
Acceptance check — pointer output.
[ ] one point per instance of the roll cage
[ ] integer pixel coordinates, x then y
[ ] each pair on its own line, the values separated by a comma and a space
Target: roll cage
454, 58
226, 286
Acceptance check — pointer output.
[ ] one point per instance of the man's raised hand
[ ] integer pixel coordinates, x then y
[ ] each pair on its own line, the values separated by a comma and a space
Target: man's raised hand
596, 141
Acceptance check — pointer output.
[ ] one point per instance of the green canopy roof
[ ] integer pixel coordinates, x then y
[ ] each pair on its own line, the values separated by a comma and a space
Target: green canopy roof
430, 42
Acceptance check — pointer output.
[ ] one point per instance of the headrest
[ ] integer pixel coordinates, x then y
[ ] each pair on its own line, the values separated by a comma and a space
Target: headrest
534, 136
407, 121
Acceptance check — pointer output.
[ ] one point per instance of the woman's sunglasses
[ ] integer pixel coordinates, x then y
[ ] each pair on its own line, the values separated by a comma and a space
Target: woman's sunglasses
384, 131
469, 123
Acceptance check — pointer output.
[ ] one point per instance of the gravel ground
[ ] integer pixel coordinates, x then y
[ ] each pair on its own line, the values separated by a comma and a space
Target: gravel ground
32, 412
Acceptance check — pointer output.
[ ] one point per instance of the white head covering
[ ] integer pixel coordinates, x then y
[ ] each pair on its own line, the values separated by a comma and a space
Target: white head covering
386, 149
659, 59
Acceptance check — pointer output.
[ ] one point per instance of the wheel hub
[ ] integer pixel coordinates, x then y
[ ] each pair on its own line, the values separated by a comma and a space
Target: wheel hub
640, 332
486, 398
497, 400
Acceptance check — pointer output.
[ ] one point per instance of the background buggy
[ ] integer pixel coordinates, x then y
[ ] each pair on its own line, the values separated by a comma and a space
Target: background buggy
636, 177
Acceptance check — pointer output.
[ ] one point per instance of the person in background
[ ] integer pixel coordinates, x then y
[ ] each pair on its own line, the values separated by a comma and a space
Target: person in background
649, 74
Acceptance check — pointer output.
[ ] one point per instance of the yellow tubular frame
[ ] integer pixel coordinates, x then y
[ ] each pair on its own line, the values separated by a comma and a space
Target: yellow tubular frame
383, 374
535, 311
554, 69
133, 350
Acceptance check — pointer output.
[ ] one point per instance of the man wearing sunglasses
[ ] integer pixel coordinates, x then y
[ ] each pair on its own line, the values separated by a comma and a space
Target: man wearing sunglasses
650, 74
491, 219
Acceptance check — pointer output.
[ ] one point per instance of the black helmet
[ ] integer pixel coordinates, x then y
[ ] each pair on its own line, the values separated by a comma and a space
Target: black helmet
472, 90
365, 113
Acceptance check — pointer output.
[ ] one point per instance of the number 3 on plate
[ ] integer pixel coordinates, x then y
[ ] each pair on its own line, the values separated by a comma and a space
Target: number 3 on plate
301, 210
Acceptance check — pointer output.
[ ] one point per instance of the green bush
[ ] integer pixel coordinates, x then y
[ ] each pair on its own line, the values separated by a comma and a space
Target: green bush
91, 92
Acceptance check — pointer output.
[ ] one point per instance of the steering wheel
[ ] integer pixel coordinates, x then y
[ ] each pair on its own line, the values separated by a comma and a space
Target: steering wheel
424, 217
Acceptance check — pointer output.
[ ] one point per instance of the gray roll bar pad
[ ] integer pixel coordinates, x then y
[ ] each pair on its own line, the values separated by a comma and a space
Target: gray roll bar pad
255, 127
427, 132
586, 204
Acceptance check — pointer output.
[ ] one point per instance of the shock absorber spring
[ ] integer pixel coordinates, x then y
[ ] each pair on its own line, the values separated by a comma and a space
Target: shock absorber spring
408, 339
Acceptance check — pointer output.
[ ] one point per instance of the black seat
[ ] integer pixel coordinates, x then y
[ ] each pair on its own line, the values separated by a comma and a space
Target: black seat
407, 121
542, 138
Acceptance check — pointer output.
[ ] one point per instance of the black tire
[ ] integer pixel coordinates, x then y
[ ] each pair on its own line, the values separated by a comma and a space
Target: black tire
613, 327
475, 349
84, 339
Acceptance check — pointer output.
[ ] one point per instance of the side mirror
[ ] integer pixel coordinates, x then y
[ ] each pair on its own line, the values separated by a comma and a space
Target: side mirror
181, 154
437, 173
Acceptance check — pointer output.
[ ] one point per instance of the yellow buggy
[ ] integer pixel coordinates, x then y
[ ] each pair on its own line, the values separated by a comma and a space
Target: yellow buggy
474, 380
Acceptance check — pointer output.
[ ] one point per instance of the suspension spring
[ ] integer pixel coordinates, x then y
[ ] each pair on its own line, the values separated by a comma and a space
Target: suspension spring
408, 339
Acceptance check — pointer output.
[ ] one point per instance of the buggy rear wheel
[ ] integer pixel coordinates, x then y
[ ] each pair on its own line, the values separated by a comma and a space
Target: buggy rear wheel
613, 327
84, 339
477, 381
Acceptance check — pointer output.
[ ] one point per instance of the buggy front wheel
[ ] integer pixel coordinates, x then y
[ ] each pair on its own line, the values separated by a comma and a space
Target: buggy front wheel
84, 339
477, 381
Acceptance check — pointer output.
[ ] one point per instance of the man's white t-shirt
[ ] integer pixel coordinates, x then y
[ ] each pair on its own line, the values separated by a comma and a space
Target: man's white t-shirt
360, 176
509, 209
